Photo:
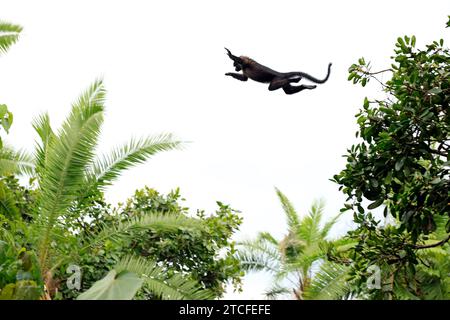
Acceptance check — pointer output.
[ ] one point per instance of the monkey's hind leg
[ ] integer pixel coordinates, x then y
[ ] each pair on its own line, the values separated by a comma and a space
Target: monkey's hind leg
278, 83
237, 76
290, 89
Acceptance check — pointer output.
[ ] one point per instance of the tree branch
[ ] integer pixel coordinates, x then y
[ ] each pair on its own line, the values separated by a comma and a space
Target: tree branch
437, 244
377, 72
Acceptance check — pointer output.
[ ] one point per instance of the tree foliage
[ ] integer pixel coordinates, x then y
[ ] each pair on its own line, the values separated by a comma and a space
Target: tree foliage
298, 262
41, 227
401, 162
206, 254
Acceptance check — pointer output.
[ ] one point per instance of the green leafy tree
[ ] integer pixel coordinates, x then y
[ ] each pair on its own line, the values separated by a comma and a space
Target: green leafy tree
401, 162
206, 255
209, 256
299, 261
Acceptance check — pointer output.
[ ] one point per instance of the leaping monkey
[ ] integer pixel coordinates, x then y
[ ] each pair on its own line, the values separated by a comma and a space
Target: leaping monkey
257, 72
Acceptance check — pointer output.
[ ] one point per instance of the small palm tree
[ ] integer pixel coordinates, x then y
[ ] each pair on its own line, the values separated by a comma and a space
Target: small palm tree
67, 168
298, 261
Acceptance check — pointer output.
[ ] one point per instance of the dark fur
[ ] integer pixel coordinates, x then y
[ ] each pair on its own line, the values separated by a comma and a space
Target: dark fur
260, 73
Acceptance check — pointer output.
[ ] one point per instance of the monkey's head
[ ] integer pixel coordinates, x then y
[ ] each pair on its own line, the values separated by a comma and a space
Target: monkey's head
242, 63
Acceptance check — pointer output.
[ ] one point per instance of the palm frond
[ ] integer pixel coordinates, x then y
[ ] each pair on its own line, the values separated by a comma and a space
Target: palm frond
402, 293
266, 236
114, 286
302, 263
176, 287
67, 159
108, 168
8, 207
15, 161
9, 34
289, 211
147, 221
329, 283
93, 97
328, 225
41, 125
309, 228
259, 255
7, 237
251, 261
276, 290
441, 221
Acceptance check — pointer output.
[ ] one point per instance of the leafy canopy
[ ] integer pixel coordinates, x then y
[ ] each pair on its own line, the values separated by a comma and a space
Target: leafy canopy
401, 161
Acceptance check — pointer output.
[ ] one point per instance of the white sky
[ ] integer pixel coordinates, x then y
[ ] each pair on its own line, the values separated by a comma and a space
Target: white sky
163, 65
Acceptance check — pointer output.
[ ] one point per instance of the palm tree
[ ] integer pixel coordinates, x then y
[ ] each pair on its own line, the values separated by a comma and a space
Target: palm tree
298, 261
68, 173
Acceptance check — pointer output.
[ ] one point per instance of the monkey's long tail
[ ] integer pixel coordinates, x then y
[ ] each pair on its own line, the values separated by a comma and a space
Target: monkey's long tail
313, 79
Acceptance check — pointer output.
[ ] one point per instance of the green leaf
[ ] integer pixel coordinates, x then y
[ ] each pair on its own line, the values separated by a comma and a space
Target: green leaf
3, 110
366, 103
399, 164
375, 204
114, 286
435, 91
364, 82
413, 41
388, 111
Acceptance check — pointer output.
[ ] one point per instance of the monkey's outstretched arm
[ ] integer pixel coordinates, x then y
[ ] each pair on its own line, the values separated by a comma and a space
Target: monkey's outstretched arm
237, 76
